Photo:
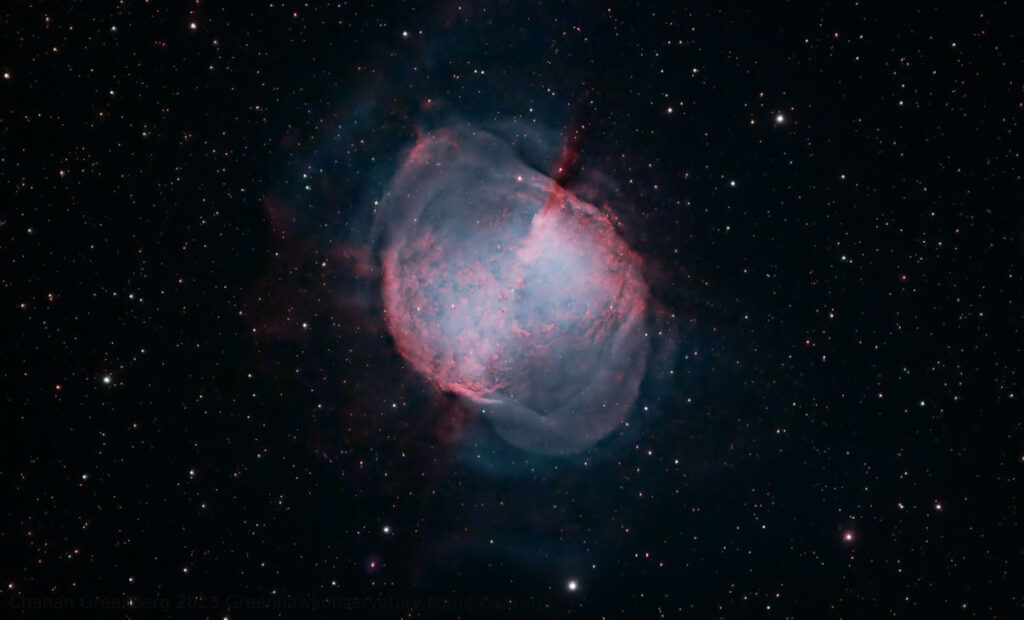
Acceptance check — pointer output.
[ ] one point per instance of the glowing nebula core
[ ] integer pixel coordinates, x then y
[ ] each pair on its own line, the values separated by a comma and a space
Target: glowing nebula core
506, 289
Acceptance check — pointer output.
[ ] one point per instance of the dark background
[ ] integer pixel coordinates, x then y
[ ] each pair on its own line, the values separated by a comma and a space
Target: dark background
854, 299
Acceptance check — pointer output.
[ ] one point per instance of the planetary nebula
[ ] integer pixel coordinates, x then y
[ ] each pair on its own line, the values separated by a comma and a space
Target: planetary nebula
503, 287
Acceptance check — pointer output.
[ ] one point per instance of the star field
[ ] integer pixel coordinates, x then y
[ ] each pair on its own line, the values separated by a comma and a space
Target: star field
204, 411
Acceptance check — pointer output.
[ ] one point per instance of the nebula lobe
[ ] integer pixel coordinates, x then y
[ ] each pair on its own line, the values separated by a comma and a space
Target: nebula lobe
506, 289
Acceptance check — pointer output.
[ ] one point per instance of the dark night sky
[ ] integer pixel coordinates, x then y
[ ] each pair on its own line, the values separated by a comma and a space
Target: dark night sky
202, 413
